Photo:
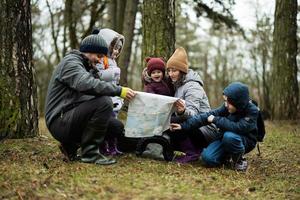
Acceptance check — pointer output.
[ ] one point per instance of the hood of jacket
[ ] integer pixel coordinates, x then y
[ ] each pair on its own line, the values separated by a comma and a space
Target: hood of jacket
146, 78
192, 76
110, 35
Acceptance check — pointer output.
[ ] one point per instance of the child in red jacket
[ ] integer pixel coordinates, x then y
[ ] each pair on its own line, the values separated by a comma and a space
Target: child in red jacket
154, 78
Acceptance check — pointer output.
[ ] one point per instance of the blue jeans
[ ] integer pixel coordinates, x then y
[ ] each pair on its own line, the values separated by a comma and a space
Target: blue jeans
216, 152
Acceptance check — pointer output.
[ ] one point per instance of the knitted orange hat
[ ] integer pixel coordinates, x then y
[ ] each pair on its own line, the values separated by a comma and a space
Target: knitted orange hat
179, 60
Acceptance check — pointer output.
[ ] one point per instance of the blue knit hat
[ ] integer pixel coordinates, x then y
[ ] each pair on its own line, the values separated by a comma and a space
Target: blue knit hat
94, 43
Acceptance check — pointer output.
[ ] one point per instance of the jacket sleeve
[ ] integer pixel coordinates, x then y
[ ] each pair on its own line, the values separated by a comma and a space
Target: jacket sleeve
195, 100
195, 122
243, 126
201, 119
106, 75
74, 75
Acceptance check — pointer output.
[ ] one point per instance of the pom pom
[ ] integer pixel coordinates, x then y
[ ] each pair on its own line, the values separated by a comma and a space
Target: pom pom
95, 31
147, 59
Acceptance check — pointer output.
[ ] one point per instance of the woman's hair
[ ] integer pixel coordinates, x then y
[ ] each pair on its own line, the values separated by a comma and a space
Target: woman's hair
180, 81
112, 44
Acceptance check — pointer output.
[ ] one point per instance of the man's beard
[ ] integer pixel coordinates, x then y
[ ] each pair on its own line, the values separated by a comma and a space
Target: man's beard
93, 63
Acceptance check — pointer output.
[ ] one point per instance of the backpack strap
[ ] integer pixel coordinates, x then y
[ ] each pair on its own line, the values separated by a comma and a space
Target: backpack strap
258, 149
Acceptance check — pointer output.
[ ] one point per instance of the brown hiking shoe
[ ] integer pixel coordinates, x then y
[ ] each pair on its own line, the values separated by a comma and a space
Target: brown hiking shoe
69, 152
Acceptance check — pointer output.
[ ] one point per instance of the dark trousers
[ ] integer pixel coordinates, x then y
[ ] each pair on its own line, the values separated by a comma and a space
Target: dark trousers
177, 137
115, 129
69, 128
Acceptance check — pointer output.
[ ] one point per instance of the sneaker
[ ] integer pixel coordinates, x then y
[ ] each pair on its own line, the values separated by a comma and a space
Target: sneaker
241, 165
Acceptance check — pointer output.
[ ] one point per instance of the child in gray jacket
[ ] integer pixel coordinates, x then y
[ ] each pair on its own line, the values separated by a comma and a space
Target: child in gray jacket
109, 71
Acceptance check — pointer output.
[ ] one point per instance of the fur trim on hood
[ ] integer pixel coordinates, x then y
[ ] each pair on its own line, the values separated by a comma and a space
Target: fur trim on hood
109, 36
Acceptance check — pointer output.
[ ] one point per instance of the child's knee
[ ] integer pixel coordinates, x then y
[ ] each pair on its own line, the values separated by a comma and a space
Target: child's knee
209, 159
103, 103
230, 138
233, 142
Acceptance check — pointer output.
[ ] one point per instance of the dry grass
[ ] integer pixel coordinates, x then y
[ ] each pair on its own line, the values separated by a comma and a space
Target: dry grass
33, 169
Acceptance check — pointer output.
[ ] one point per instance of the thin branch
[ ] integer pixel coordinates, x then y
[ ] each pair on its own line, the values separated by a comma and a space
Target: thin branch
217, 17
95, 13
54, 35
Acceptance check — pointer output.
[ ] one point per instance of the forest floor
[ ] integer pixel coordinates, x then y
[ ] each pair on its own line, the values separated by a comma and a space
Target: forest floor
34, 169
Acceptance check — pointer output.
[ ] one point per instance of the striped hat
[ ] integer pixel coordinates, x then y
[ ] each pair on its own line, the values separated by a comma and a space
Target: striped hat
93, 43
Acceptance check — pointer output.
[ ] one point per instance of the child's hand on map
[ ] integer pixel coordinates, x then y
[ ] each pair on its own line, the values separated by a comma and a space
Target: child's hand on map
175, 127
180, 106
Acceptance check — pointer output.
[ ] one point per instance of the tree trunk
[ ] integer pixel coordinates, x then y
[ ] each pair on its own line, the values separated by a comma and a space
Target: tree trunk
265, 86
128, 32
53, 32
285, 91
217, 84
205, 74
135, 71
254, 53
69, 15
121, 6
217, 81
18, 95
158, 24
112, 14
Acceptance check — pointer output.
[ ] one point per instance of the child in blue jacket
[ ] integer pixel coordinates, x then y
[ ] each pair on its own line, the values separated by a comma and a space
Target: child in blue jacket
237, 119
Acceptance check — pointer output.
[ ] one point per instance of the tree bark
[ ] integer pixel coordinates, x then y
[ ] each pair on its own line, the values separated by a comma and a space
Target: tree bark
158, 25
18, 95
69, 15
121, 6
135, 71
128, 32
206, 79
53, 32
285, 91
112, 15
266, 91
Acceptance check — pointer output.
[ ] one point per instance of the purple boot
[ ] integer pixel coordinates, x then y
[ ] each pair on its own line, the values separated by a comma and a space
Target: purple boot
191, 152
104, 148
112, 147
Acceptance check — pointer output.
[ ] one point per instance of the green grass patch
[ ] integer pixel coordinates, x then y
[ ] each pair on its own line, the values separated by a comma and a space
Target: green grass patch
33, 169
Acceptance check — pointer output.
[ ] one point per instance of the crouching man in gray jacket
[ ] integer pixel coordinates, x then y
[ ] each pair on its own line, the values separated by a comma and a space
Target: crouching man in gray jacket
78, 107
